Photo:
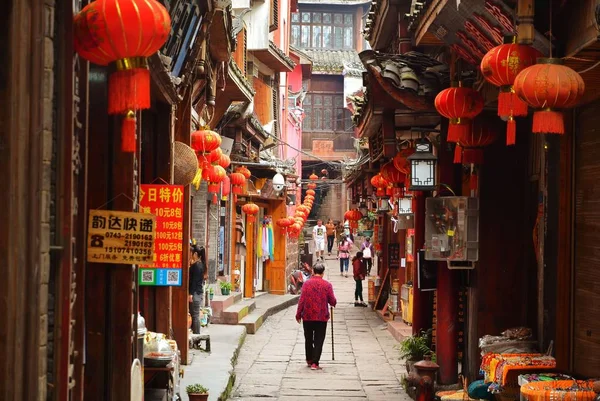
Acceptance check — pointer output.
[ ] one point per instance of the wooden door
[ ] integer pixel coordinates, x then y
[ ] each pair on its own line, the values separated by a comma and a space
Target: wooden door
586, 333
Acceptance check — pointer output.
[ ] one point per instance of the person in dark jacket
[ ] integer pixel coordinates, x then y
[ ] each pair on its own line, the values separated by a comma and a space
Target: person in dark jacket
313, 312
198, 275
359, 270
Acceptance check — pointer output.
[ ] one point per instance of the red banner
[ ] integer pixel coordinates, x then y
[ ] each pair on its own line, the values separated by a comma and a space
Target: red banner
166, 203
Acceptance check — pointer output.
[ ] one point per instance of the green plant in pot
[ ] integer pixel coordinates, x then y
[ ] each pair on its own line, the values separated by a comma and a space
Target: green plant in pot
225, 287
414, 348
197, 392
211, 293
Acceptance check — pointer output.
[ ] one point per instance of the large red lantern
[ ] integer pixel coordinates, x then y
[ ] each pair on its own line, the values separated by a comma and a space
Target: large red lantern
500, 66
460, 105
482, 134
244, 170
215, 156
214, 176
125, 33
380, 184
251, 210
284, 223
548, 87
204, 142
392, 175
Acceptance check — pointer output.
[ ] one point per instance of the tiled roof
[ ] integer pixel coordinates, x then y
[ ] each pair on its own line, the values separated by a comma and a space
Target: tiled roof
334, 61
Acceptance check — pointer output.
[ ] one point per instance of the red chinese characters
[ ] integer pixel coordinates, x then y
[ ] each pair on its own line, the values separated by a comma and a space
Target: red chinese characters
166, 203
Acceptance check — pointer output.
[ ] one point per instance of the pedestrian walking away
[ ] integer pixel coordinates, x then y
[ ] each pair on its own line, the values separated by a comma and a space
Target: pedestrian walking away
313, 311
344, 254
367, 251
319, 238
359, 271
330, 228
198, 275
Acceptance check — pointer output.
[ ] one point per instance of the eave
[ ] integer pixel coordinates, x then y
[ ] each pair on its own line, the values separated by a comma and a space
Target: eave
237, 87
385, 15
162, 80
274, 58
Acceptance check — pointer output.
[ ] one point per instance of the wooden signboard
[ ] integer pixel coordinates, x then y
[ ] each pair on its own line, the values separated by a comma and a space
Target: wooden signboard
120, 237
394, 255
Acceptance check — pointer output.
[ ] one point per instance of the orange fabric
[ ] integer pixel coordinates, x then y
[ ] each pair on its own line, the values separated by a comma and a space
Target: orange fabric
564, 390
330, 228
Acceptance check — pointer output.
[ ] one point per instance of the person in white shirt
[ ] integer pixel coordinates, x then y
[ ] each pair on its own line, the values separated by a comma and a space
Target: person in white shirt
319, 238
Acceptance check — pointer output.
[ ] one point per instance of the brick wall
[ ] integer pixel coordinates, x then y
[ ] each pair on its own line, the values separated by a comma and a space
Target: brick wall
291, 258
332, 206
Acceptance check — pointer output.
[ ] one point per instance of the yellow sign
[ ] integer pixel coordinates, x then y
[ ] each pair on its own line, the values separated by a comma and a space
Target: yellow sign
120, 237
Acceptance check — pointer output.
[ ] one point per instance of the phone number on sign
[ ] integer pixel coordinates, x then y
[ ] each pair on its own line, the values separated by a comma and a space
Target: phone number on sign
134, 251
117, 235
138, 244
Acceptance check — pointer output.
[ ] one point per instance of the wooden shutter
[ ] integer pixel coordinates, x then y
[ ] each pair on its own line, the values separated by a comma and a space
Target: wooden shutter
274, 16
276, 111
586, 308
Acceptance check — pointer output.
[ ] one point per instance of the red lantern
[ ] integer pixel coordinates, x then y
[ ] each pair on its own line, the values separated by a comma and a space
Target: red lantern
353, 215
500, 66
400, 160
215, 156
460, 105
225, 187
380, 183
548, 87
214, 176
313, 177
204, 142
482, 134
392, 175
125, 33
311, 192
244, 170
295, 230
251, 209
238, 181
224, 161
303, 208
312, 185
284, 223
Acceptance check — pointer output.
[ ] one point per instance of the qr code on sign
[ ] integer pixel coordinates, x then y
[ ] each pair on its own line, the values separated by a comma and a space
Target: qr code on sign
173, 277
147, 276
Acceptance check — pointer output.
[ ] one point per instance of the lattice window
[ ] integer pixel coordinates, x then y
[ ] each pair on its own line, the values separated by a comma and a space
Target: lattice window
326, 112
322, 30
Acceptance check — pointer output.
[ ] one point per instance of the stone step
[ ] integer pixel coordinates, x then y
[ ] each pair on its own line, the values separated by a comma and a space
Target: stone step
236, 312
219, 303
254, 320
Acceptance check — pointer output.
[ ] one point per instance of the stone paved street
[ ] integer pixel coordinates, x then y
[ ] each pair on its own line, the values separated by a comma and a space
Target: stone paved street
272, 364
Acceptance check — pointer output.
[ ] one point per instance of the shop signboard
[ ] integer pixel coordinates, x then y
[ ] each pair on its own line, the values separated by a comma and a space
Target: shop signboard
394, 255
166, 203
120, 237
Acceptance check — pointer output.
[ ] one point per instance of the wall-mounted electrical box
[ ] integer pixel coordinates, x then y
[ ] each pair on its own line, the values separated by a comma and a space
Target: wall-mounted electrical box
452, 230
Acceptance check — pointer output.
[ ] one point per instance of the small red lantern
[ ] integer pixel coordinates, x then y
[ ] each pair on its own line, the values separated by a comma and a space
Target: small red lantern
303, 208
481, 135
238, 181
203, 142
215, 156
244, 170
400, 160
125, 33
460, 105
380, 183
392, 175
295, 230
284, 223
312, 185
225, 187
214, 176
313, 177
548, 87
311, 192
251, 209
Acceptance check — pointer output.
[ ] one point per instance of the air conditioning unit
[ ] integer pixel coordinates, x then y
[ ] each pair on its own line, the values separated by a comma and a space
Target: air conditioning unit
452, 231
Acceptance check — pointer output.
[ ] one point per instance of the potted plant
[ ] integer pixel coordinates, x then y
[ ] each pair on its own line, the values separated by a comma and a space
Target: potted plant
368, 221
211, 293
225, 287
414, 348
197, 392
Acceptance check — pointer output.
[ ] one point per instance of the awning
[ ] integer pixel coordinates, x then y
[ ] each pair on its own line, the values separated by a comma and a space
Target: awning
274, 58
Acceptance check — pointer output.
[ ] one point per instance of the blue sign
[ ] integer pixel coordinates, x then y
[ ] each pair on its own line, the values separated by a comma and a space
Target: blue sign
160, 277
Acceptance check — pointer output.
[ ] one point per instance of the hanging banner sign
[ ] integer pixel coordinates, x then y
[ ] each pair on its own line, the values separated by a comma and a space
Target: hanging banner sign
166, 203
120, 237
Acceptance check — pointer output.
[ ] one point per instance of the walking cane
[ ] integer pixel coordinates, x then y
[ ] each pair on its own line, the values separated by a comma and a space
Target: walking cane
332, 345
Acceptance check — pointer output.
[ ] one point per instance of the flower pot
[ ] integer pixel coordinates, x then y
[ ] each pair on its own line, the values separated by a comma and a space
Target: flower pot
225, 291
210, 296
198, 397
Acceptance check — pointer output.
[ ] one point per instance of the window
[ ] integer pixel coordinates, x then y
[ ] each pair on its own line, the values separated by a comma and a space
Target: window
326, 112
322, 30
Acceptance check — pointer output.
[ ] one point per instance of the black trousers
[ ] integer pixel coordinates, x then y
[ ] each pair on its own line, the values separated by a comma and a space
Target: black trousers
330, 240
314, 336
358, 290
368, 264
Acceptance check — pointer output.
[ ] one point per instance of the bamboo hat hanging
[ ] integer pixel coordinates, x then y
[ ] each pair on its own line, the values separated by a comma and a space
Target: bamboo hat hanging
123, 33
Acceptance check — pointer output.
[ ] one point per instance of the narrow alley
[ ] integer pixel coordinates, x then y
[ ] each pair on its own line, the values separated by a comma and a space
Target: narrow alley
272, 364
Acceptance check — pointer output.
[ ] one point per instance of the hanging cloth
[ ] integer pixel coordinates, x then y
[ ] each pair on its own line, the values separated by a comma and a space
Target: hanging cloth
271, 241
259, 239
265, 243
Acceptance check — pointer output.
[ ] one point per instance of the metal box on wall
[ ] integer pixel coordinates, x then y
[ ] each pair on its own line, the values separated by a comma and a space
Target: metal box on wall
452, 229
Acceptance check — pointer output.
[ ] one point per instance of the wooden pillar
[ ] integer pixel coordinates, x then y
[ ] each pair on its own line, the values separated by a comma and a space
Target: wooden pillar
419, 298
525, 16
447, 285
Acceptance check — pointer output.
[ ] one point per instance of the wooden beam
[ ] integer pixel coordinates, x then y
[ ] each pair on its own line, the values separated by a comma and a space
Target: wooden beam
431, 14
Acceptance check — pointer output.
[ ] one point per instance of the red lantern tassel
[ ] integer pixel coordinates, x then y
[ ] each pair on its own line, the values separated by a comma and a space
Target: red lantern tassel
519, 107
472, 156
511, 131
250, 218
128, 90
128, 130
504, 103
458, 131
473, 182
548, 122
457, 154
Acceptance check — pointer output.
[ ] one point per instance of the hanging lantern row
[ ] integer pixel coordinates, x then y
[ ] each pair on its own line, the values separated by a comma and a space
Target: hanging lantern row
500, 66
238, 180
225, 188
124, 33
469, 149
